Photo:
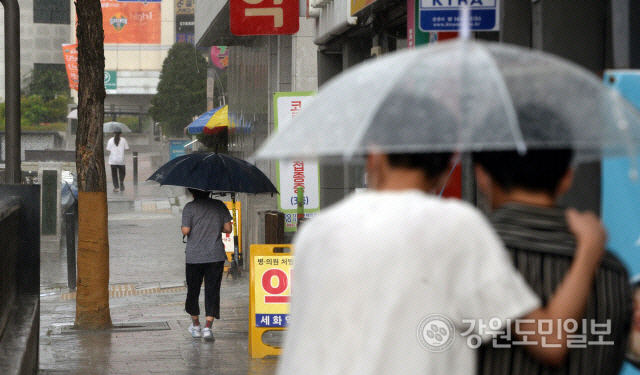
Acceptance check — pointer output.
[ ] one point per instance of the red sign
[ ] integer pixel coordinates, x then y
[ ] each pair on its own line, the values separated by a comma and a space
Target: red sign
70, 54
264, 17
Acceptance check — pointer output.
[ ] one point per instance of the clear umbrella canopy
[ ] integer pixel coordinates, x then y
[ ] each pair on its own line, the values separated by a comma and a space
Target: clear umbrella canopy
113, 126
460, 96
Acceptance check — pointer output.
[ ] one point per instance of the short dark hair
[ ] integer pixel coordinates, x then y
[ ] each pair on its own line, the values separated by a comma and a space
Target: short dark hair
432, 164
544, 164
198, 194
537, 170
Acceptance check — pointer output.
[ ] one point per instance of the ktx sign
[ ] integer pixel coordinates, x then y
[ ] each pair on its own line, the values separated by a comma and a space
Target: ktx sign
264, 17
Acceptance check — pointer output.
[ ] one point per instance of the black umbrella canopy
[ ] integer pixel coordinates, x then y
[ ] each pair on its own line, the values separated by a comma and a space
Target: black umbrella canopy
214, 172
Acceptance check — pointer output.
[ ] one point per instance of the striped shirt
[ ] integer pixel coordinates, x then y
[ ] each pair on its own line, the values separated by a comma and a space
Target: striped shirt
542, 249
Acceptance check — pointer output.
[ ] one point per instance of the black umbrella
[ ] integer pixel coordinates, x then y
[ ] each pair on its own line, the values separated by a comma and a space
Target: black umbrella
217, 173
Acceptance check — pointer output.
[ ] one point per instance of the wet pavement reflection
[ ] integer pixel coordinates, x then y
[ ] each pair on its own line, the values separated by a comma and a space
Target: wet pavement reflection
147, 255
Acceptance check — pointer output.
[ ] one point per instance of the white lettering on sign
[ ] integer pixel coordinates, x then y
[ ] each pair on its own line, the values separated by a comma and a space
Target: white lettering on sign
277, 13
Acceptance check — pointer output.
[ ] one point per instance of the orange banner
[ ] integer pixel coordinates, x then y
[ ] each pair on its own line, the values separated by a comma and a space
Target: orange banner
70, 54
125, 22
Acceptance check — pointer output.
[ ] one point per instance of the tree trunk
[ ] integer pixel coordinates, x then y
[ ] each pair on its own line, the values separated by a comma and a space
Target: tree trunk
92, 301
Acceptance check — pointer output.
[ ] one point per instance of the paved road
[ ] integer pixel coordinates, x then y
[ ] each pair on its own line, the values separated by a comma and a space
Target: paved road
147, 288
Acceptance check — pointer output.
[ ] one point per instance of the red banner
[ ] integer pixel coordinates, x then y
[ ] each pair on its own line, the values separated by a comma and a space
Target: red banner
264, 17
136, 23
70, 54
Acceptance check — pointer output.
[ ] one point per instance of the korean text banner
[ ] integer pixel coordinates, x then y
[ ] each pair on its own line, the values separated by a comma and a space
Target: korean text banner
294, 174
70, 54
128, 22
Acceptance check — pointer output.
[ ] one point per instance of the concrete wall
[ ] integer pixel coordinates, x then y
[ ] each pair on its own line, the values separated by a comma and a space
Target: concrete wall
19, 279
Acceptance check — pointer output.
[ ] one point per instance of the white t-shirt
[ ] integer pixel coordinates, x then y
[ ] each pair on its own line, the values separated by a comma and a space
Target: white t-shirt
116, 156
370, 269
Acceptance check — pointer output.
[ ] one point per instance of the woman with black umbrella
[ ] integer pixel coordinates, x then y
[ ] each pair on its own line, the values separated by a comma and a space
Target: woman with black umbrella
203, 222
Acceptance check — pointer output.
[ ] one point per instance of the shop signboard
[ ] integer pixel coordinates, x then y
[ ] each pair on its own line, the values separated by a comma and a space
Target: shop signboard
135, 22
264, 17
110, 81
295, 174
272, 290
358, 5
444, 15
177, 148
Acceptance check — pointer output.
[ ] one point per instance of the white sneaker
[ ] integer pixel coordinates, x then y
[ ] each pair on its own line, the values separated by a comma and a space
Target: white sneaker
207, 334
196, 331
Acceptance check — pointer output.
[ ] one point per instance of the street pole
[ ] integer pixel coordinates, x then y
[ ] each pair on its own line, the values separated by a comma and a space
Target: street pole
70, 220
135, 168
13, 173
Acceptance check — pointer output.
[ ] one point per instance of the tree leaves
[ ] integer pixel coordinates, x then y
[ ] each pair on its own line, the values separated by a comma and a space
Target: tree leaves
182, 90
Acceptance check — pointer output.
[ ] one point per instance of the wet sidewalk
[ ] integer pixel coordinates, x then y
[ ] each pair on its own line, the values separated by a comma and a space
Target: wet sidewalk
147, 300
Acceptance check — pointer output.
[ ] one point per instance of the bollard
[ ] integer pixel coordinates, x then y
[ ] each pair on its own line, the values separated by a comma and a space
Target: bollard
274, 227
70, 220
135, 168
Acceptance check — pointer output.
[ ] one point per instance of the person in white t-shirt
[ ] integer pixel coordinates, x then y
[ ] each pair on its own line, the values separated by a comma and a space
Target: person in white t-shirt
397, 281
117, 146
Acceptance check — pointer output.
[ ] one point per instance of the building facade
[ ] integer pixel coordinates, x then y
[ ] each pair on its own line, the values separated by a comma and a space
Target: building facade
44, 26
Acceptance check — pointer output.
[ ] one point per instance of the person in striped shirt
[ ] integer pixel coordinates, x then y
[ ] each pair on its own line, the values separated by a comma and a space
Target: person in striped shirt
523, 193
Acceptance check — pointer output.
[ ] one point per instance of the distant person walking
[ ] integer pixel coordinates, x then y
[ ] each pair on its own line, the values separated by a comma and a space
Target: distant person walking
203, 221
117, 147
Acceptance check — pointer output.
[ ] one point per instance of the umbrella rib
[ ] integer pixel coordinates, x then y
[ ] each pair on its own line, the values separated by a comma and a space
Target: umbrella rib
504, 94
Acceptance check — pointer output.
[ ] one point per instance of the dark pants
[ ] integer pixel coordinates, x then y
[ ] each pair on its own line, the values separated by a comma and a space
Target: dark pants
212, 274
118, 181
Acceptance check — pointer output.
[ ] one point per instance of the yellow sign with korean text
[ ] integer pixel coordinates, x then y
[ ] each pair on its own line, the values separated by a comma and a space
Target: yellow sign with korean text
272, 290
270, 269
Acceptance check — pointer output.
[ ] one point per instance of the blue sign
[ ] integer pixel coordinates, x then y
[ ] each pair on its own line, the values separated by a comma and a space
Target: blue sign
176, 148
272, 320
444, 15
620, 203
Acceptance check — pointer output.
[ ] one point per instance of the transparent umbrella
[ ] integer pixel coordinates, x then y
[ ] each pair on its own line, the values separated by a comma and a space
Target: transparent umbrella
112, 126
459, 96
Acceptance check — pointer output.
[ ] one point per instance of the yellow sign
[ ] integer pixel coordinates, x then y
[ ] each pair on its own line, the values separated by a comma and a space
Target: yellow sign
358, 5
269, 294
185, 6
272, 290
227, 238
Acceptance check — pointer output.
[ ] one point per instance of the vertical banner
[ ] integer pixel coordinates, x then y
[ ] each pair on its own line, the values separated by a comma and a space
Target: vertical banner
70, 54
131, 22
295, 173
415, 36
211, 80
